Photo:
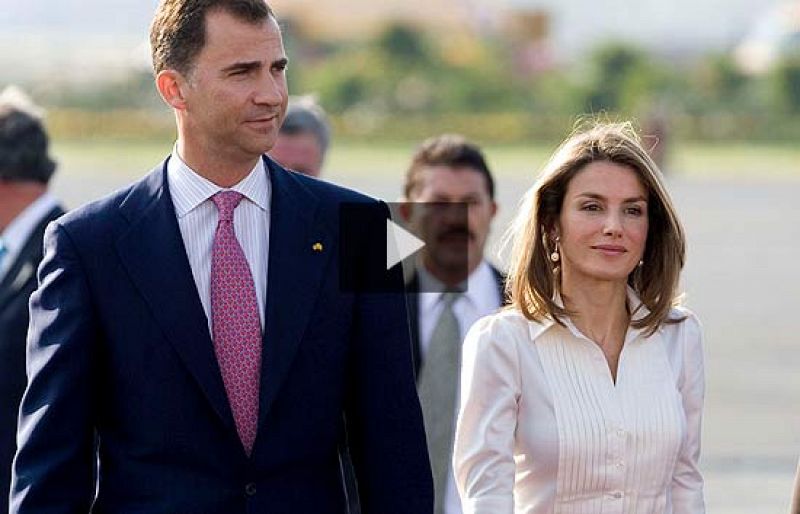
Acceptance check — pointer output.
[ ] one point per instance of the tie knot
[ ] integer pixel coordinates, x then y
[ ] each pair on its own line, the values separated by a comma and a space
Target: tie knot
226, 202
449, 298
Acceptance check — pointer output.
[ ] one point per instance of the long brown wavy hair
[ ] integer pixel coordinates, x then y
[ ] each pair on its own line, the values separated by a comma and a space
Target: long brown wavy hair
533, 282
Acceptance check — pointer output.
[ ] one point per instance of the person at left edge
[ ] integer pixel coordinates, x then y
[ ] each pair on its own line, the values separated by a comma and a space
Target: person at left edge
189, 332
26, 207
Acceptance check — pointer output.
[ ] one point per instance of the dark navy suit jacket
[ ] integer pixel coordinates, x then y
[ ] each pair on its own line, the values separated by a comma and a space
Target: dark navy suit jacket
15, 289
121, 365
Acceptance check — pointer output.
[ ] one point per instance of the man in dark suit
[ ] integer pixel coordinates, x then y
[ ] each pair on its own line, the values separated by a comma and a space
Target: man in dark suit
451, 287
189, 332
302, 144
26, 207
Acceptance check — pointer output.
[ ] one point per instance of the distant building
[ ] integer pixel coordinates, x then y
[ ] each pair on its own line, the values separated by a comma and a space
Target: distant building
677, 27
355, 19
774, 34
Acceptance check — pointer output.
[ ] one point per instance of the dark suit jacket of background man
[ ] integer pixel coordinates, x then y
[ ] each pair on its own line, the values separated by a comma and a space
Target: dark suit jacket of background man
119, 344
15, 289
413, 311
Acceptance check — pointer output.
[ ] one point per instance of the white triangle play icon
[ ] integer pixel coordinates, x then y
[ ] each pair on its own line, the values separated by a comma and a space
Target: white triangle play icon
400, 243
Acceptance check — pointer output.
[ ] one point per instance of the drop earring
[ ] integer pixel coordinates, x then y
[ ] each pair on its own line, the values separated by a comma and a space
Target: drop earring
555, 257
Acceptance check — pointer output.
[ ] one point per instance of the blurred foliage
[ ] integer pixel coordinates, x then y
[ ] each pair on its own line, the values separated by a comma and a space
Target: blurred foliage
786, 84
401, 43
134, 91
124, 124
617, 74
405, 84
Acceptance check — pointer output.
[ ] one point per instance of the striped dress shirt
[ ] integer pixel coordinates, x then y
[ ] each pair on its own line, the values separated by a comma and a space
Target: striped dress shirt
198, 217
543, 429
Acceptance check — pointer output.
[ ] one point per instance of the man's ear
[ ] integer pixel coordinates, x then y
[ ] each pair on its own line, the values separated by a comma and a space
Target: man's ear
170, 85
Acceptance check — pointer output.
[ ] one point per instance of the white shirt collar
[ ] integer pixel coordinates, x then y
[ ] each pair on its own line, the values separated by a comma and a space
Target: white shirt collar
19, 230
17, 233
189, 189
637, 308
475, 290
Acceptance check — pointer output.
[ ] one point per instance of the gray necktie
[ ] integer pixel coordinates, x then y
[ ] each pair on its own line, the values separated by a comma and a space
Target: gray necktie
438, 389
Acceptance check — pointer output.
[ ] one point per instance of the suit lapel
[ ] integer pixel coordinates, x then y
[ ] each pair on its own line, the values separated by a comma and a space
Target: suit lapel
500, 278
153, 253
295, 271
23, 270
412, 300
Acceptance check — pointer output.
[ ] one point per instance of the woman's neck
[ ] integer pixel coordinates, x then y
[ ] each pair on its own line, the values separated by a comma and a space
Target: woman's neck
599, 308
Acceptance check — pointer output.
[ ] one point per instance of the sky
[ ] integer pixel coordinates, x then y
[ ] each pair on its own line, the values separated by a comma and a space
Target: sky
83, 39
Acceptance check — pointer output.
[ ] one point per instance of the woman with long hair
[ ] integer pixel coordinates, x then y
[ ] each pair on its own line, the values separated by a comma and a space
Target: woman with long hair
585, 396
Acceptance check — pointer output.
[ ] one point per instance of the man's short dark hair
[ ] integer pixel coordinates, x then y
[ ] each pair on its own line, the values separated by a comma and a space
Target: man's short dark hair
306, 116
450, 150
23, 144
178, 31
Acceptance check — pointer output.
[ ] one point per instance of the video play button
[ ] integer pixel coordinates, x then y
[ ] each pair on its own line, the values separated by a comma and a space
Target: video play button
371, 245
400, 243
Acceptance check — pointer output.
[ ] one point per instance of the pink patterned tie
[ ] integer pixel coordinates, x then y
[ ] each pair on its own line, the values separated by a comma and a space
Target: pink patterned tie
236, 325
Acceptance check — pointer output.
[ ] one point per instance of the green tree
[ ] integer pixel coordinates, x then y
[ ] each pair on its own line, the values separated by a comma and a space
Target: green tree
612, 67
785, 81
403, 42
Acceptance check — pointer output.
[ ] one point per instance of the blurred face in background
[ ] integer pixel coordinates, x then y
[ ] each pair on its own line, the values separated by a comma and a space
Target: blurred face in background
448, 232
299, 152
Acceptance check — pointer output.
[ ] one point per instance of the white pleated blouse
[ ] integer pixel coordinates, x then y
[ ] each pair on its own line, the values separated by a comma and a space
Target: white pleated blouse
543, 428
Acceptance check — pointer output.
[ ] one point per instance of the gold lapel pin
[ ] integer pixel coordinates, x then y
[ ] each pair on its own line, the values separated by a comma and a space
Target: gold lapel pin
317, 247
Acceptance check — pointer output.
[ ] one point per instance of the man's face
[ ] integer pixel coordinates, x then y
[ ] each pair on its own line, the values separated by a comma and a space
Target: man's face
236, 94
447, 236
299, 152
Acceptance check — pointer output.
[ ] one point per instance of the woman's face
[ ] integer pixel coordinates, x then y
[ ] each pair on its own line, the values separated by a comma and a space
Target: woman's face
603, 224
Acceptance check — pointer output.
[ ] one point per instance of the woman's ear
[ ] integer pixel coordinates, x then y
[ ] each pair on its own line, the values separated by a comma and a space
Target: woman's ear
553, 232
